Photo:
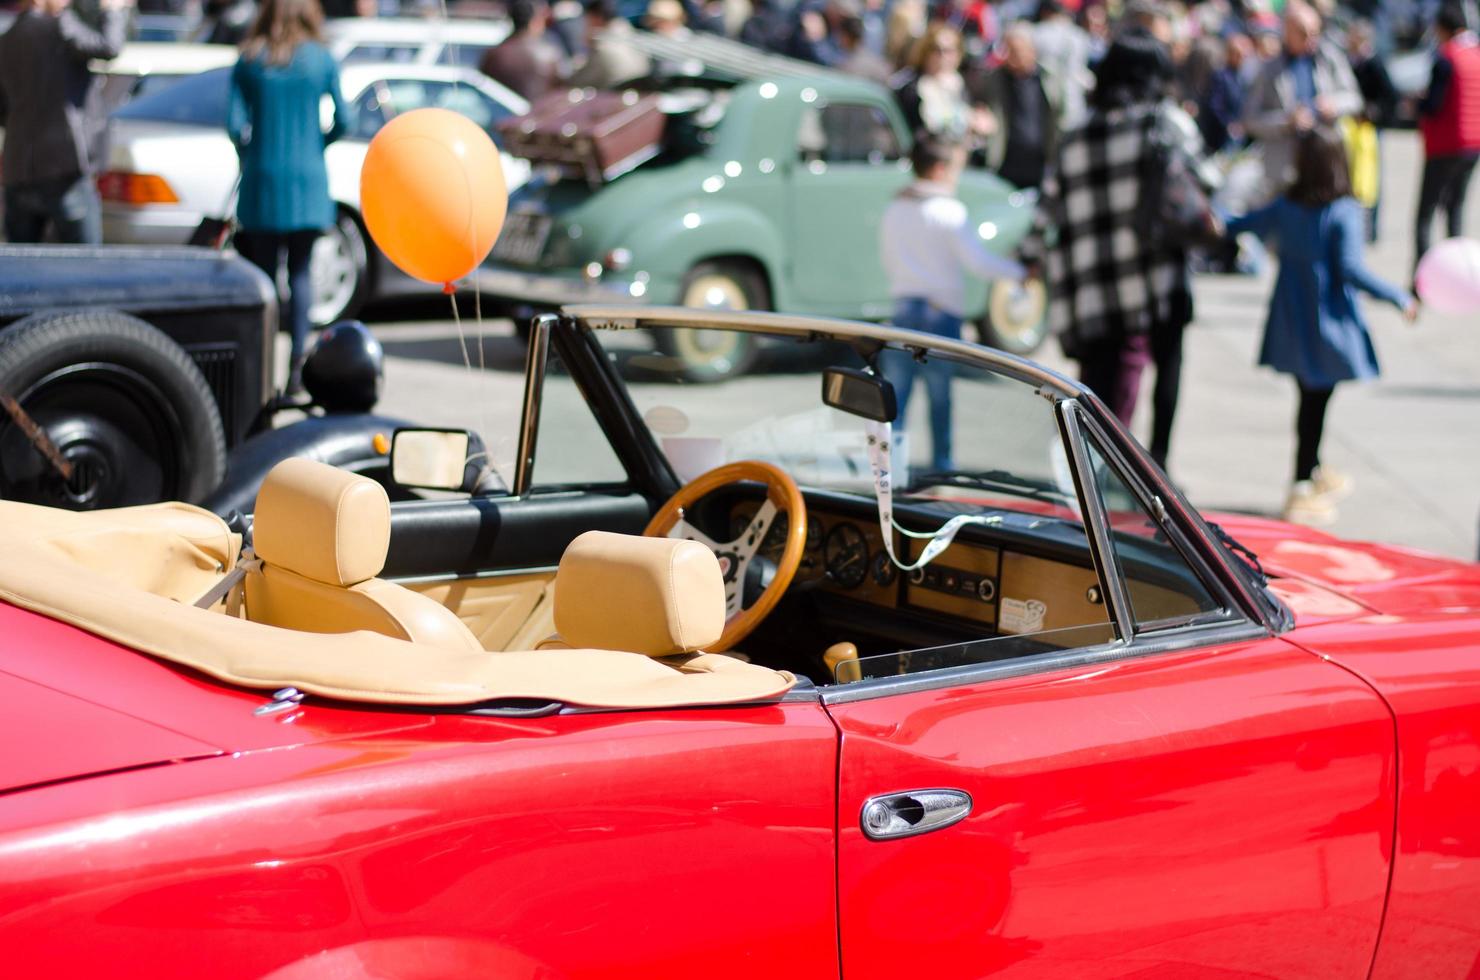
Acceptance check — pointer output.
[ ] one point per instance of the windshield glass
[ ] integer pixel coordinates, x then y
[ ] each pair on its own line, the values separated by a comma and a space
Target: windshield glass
982, 441
198, 100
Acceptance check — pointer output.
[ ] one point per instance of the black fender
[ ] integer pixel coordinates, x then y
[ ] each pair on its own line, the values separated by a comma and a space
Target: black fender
343, 440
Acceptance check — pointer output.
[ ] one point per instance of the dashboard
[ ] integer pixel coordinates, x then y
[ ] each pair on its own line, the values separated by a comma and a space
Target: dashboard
1003, 589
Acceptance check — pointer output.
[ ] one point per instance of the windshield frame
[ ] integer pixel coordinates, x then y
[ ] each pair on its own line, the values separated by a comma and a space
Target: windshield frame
654, 476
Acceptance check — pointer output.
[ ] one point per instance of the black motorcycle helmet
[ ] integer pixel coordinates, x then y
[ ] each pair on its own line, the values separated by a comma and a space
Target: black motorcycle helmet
345, 369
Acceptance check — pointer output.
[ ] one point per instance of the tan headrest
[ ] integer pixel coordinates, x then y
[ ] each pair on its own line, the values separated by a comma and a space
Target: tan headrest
323, 523
658, 596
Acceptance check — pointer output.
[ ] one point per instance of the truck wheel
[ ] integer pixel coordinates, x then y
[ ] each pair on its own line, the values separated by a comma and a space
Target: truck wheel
122, 402
707, 356
1017, 317
340, 270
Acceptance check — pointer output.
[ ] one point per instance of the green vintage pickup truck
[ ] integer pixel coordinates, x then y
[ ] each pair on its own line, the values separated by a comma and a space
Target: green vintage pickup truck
767, 194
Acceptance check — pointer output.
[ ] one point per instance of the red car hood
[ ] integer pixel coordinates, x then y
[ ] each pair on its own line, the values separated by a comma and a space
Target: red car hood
1314, 572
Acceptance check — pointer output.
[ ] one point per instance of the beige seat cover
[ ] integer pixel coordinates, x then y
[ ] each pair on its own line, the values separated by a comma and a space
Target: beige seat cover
322, 534
130, 575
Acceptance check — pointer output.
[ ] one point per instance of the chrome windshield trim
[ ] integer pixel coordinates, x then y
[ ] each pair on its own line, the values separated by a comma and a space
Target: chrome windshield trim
1179, 534
1092, 507
601, 316
535, 359
1232, 575
1143, 646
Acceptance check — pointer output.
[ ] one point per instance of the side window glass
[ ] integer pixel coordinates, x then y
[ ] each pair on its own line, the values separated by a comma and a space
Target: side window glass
367, 114
383, 101
466, 101
880, 141
811, 139
1161, 584
847, 134
570, 447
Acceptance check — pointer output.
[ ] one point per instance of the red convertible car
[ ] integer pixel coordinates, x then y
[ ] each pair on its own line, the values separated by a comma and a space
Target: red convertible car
730, 684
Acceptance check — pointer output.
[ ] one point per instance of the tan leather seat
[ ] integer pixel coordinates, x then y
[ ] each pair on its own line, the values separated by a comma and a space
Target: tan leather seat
322, 535
655, 596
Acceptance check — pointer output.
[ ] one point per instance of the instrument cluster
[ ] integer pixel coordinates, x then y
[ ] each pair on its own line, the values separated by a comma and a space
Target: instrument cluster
844, 553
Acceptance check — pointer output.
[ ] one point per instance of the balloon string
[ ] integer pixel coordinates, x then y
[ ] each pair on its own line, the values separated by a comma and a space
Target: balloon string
478, 318
482, 370
462, 341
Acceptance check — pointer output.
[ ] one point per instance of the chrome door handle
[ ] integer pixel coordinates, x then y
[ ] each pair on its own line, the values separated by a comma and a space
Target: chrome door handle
920, 811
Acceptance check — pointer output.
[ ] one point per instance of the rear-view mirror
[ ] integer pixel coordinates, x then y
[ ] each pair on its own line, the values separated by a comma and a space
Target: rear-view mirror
859, 393
430, 459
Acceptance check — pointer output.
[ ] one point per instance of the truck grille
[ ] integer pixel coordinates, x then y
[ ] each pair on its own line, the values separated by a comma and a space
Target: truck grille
218, 364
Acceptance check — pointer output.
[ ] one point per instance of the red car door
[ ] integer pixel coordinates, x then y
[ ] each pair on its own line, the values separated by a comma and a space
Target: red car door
1222, 812
1194, 798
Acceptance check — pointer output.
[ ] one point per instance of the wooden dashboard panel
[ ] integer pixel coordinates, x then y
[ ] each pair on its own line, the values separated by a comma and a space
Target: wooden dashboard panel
966, 564
1062, 590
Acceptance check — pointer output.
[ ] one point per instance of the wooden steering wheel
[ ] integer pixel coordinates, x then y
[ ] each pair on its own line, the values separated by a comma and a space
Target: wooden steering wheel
735, 556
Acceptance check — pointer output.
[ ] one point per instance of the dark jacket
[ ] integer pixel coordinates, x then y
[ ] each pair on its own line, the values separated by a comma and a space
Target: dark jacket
1002, 92
1377, 90
1222, 108
44, 88
525, 63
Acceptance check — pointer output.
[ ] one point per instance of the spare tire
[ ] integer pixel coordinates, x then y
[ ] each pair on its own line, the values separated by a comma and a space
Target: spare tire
121, 402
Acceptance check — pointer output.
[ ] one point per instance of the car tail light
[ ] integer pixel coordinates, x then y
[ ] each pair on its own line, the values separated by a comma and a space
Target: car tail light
129, 188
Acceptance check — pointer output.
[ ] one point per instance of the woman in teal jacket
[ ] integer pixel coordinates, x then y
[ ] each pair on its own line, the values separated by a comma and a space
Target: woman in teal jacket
1315, 329
278, 83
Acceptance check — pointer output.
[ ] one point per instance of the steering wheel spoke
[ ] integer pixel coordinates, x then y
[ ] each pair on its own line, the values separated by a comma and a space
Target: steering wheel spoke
735, 557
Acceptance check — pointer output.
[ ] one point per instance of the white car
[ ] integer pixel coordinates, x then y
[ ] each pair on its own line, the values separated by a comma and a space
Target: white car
144, 67
171, 165
412, 40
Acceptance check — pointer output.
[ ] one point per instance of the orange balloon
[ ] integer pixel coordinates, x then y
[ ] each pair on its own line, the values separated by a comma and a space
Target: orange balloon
433, 194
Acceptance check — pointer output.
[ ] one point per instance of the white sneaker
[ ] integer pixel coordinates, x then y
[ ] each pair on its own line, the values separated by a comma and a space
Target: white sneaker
1308, 505
1331, 482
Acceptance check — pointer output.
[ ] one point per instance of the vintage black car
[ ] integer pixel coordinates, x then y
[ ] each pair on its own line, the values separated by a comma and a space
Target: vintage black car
130, 375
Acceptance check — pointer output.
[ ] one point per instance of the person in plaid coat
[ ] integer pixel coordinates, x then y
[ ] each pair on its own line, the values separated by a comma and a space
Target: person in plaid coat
1116, 305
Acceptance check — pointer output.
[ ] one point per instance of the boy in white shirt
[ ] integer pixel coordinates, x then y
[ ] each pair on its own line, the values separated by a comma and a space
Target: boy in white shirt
927, 246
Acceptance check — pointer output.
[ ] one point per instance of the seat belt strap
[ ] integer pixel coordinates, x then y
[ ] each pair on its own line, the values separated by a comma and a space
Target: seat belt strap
230, 586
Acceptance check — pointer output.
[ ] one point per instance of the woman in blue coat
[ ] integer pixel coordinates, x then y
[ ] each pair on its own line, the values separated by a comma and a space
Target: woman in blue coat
1315, 330
279, 81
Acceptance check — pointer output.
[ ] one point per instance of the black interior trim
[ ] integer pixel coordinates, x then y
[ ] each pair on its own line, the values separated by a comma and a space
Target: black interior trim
464, 537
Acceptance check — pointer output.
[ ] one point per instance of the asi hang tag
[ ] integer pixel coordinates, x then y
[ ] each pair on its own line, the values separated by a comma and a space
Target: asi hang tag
880, 450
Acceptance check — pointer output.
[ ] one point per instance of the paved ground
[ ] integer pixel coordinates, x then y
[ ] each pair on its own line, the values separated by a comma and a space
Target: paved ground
1411, 440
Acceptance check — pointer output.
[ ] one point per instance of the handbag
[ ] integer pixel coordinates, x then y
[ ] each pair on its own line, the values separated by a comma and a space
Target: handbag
216, 232
1174, 212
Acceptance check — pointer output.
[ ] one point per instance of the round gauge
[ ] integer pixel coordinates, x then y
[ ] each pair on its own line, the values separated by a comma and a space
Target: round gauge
776, 536
846, 556
883, 570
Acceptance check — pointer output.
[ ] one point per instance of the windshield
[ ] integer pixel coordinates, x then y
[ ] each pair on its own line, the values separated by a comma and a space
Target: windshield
969, 437
197, 100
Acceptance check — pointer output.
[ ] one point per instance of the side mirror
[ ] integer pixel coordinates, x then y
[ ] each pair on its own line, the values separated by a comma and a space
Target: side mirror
430, 459
859, 393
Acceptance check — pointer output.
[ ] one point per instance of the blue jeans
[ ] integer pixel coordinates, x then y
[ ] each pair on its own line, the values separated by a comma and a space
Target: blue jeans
901, 368
265, 249
70, 205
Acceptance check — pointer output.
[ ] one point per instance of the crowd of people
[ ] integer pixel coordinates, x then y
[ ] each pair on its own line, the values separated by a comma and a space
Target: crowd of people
1270, 119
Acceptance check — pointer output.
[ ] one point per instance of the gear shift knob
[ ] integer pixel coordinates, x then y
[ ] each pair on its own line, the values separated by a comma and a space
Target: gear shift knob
837, 653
